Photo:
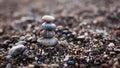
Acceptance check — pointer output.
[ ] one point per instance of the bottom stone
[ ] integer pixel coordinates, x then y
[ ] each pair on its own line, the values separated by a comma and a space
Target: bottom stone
48, 42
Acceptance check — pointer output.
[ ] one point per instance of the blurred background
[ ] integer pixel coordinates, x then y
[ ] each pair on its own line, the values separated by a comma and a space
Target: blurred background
11, 8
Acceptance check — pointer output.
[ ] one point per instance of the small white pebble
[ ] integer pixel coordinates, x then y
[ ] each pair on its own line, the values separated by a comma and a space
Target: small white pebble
36, 58
66, 57
65, 64
48, 18
111, 45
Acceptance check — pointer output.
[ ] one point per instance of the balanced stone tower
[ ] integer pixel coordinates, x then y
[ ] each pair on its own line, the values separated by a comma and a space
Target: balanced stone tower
48, 33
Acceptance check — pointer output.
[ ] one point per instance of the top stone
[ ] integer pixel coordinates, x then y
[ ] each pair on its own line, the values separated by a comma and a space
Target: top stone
48, 18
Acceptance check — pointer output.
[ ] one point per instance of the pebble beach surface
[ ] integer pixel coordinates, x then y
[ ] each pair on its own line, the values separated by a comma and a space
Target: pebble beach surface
84, 40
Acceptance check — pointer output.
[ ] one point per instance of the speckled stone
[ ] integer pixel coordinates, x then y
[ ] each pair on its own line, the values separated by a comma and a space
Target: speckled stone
48, 41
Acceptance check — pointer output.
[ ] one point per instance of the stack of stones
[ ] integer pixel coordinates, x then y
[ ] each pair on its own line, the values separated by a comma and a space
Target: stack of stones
48, 33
